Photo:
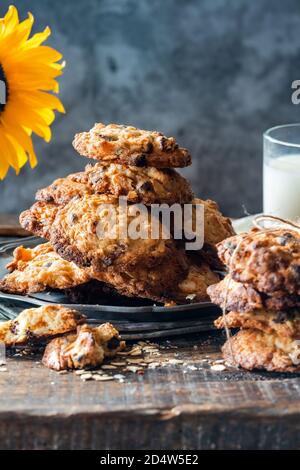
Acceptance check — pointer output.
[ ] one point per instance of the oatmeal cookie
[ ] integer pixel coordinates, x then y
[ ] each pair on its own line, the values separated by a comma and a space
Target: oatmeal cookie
131, 146
37, 269
267, 260
62, 190
37, 324
244, 298
284, 324
147, 185
193, 288
85, 349
89, 231
39, 218
156, 282
253, 349
216, 228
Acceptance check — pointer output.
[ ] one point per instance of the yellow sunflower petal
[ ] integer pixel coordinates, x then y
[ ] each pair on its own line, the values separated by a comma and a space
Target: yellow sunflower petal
38, 99
20, 135
9, 152
41, 53
19, 152
11, 19
37, 39
30, 118
4, 166
31, 70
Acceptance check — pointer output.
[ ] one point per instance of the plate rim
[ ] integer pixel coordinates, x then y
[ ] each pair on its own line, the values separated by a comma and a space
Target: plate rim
30, 299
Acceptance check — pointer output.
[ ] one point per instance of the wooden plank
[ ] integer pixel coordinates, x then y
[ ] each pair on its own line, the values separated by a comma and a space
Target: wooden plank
177, 406
9, 226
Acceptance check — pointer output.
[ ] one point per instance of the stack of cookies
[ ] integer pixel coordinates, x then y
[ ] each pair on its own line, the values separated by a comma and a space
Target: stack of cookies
136, 164
261, 296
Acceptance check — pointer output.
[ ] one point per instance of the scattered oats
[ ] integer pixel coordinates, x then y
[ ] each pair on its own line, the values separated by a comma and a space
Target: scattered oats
3, 369
62, 372
86, 376
195, 347
190, 297
133, 369
122, 353
175, 361
119, 376
108, 367
135, 361
154, 353
219, 361
118, 364
154, 365
135, 352
80, 372
218, 367
52, 383
148, 360
103, 378
191, 367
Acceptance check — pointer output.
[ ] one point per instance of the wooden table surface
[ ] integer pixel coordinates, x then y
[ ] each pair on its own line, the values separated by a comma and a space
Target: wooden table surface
181, 404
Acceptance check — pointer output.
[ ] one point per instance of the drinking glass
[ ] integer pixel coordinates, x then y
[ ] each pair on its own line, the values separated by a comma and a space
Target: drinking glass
281, 171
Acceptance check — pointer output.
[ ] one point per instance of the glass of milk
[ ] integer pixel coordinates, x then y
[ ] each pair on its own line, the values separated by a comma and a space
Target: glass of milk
282, 171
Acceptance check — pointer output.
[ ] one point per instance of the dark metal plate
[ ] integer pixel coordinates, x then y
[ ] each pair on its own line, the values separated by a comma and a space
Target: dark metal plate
203, 312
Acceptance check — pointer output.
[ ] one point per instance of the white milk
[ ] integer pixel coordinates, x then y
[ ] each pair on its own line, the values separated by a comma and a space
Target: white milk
282, 186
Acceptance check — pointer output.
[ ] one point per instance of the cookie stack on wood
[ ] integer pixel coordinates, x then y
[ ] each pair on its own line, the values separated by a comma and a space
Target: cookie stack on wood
137, 164
261, 296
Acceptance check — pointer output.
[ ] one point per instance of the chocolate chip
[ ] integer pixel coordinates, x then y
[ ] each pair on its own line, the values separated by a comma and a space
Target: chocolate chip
280, 317
47, 265
139, 160
73, 218
14, 327
29, 334
94, 226
146, 186
167, 145
113, 343
296, 269
149, 148
108, 138
283, 240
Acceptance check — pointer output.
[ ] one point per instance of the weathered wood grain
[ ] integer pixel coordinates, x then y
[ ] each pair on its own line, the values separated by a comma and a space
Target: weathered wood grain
9, 226
172, 407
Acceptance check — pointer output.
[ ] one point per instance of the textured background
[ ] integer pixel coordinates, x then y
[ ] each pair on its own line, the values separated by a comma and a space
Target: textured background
214, 73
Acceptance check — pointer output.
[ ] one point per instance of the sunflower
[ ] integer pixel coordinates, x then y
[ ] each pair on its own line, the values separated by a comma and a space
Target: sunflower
27, 74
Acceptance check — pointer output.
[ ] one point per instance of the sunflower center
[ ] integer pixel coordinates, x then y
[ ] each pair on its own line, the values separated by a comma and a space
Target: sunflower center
3, 89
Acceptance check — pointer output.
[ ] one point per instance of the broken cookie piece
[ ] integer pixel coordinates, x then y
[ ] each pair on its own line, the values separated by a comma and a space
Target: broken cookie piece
41, 268
87, 348
36, 324
253, 349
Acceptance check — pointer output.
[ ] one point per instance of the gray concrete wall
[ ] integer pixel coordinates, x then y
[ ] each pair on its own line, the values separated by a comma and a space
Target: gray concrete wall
214, 73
